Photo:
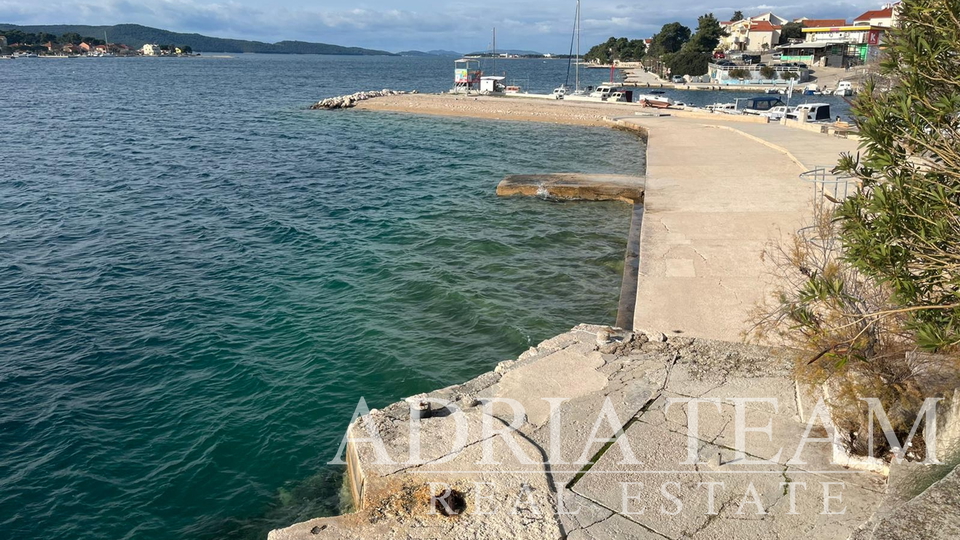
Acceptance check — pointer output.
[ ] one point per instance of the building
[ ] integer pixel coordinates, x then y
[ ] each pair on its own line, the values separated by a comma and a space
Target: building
758, 33
885, 17
150, 49
85, 47
820, 23
840, 46
3, 41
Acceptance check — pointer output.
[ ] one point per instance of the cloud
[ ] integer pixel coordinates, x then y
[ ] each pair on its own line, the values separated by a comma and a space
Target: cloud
522, 24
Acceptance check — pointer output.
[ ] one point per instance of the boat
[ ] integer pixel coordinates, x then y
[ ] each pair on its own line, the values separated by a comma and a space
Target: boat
561, 91
811, 112
758, 105
728, 108
611, 92
778, 112
844, 88
655, 100
812, 90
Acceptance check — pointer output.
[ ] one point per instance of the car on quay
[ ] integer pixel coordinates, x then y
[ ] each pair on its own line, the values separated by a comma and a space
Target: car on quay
678, 79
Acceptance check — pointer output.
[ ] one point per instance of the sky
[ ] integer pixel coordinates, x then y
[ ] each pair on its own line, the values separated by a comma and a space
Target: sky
538, 25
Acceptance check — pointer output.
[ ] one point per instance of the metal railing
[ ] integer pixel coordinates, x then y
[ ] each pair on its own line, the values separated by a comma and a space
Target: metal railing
829, 186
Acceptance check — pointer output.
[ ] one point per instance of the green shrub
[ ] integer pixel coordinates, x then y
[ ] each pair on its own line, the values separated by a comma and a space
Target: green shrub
903, 227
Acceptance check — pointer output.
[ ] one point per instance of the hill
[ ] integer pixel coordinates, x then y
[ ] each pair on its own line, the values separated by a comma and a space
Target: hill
506, 51
136, 35
430, 53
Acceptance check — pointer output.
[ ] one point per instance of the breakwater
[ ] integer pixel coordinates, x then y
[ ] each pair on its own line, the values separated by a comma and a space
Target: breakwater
351, 100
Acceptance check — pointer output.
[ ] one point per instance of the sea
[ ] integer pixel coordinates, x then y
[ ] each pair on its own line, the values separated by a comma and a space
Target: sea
200, 277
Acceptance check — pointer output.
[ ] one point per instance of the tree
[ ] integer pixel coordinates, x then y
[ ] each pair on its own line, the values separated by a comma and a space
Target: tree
791, 30
737, 16
670, 39
707, 37
902, 227
71, 38
620, 49
688, 63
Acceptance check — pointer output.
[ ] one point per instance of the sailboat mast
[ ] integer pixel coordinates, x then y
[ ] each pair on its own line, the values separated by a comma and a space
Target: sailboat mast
494, 72
577, 60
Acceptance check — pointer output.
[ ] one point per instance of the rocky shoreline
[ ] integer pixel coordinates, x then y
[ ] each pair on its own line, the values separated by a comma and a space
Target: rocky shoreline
349, 101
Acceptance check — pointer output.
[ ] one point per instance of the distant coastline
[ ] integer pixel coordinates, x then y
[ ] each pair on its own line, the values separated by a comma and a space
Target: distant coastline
136, 36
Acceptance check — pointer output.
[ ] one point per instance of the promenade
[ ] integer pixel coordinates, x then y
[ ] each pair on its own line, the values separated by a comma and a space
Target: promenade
667, 432
716, 193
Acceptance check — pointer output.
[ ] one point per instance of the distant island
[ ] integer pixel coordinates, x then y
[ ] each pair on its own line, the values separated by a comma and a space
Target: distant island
447, 54
136, 36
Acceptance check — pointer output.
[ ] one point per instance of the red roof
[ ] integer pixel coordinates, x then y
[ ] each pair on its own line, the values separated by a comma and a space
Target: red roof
823, 23
762, 26
876, 14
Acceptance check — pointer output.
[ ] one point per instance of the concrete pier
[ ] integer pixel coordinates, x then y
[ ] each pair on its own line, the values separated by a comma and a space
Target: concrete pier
596, 433
716, 194
574, 187
594, 467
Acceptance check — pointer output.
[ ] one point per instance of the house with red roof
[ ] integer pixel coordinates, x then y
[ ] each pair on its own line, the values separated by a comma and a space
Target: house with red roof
821, 23
885, 17
757, 33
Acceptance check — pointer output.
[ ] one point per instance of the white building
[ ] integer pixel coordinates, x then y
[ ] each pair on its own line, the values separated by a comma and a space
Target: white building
150, 49
758, 33
886, 17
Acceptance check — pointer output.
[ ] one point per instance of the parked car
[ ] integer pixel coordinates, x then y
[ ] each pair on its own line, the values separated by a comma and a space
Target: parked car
801, 65
777, 56
751, 58
719, 54
677, 79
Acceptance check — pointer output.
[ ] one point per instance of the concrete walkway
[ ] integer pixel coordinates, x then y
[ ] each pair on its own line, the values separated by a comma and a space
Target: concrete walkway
717, 193
620, 453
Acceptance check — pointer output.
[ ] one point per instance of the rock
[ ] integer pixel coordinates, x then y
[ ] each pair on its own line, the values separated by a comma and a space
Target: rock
346, 102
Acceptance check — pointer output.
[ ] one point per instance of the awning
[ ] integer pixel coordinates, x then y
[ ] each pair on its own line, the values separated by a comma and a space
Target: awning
813, 45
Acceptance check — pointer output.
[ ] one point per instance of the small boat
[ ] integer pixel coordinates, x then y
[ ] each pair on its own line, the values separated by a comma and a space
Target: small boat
844, 88
811, 112
759, 104
729, 108
812, 90
777, 112
655, 100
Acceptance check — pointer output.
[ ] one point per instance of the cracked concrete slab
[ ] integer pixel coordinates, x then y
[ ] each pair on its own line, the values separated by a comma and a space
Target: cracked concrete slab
612, 387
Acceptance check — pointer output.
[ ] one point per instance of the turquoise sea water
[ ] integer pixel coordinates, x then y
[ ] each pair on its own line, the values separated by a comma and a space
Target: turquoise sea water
199, 278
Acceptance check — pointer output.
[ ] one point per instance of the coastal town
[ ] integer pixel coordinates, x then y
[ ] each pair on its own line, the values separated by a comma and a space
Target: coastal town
17, 44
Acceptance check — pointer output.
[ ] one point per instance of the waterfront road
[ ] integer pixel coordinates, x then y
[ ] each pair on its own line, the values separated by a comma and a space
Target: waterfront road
716, 194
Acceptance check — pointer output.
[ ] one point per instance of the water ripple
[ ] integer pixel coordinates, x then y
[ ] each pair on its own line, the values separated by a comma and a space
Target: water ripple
198, 281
